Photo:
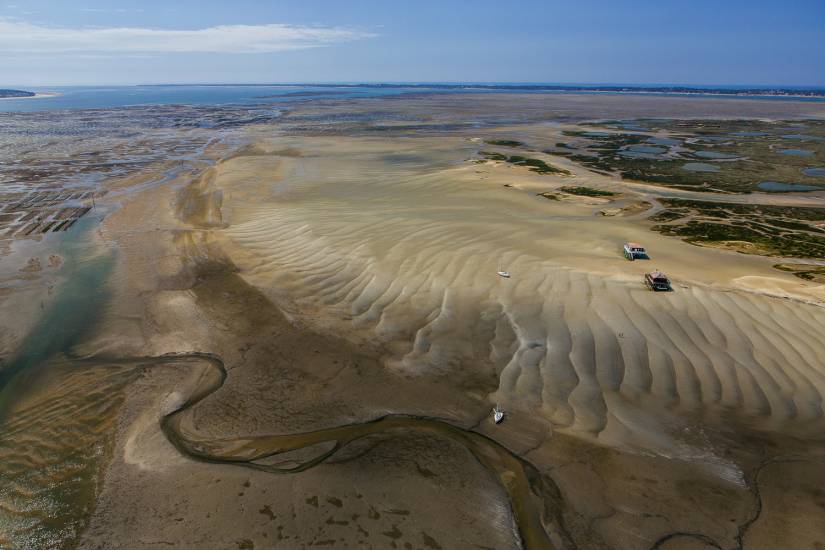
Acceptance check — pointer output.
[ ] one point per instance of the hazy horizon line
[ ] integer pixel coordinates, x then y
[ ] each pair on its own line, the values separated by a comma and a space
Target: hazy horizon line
432, 83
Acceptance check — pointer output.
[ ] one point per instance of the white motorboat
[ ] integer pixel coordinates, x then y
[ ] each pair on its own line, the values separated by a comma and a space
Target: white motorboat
498, 415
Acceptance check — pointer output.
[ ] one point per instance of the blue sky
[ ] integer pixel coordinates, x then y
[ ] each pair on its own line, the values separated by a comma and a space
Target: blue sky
621, 41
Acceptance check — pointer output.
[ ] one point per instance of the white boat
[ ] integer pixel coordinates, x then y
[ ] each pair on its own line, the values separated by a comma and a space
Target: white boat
502, 273
498, 415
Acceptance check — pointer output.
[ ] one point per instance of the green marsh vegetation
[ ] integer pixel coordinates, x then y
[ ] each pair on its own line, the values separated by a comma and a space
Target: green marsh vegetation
535, 165
810, 272
586, 191
504, 142
749, 228
741, 153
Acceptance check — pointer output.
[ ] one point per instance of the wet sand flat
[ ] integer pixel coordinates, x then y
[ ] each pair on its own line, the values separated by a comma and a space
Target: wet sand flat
340, 267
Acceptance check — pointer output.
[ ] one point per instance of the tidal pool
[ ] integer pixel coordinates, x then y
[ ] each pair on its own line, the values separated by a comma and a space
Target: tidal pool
664, 141
647, 149
700, 167
782, 186
714, 155
797, 152
638, 155
643, 152
814, 172
803, 137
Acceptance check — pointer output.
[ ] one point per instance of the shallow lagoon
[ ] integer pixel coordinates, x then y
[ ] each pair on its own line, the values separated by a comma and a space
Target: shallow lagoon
782, 186
640, 155
803, 137
714, 155
647, 149
640, 151
797, 152
700, 167
664, 141
814, 172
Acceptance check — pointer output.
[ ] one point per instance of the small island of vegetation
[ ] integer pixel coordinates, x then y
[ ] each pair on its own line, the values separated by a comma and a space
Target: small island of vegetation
15, 93
586, 191
535, 165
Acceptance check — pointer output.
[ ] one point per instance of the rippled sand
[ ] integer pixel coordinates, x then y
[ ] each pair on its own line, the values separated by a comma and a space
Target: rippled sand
350, 239
53, 445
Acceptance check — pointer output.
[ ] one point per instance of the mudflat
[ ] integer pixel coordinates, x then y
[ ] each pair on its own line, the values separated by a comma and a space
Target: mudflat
295, 336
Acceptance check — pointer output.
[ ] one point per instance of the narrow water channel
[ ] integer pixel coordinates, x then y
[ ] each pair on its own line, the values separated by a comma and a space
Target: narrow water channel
527, 489
81, 399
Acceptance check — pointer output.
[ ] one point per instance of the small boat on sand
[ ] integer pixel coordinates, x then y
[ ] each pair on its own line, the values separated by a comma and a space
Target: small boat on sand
502, 273
498, 415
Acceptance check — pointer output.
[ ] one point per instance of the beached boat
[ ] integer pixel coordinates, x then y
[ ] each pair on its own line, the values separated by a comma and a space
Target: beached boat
502, 273
634, 250
498, 415
656, 280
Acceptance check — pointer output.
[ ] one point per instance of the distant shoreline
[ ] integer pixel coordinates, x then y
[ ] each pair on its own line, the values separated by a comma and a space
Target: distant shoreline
735, 91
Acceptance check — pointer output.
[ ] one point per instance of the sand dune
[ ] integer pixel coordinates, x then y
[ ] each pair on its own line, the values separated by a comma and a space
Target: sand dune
405, 257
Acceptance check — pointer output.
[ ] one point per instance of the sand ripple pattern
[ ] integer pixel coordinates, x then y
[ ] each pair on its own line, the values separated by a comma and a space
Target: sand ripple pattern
52, 447
409, 260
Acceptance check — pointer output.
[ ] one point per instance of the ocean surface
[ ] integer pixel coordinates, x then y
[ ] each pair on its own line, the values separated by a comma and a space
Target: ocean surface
107, 97
89, 97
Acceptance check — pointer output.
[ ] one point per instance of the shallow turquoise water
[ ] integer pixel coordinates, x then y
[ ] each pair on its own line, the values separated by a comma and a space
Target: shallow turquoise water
67, 318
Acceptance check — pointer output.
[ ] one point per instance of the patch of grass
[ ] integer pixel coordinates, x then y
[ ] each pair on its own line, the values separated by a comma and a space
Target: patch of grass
759, 229
586, 191
535, 165
493, 156
666, 216
809, 272
550, 196
728, 209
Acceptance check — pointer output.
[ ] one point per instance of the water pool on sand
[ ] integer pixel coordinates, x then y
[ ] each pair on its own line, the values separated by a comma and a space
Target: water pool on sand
782, 186
700, 167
